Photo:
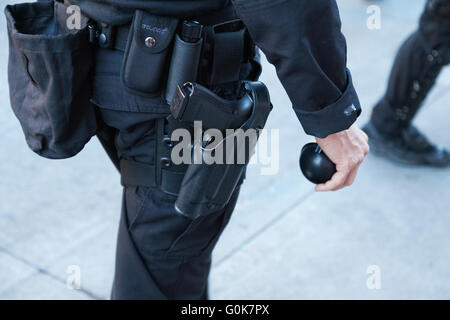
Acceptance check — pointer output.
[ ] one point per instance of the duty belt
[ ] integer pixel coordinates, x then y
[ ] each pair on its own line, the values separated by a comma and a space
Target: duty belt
145, 175
218, 64
161, 174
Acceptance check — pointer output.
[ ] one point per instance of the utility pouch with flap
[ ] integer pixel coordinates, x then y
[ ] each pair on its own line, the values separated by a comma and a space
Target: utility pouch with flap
146, 55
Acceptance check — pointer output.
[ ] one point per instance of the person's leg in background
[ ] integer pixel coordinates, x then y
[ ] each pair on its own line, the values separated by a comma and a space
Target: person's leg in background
416, 67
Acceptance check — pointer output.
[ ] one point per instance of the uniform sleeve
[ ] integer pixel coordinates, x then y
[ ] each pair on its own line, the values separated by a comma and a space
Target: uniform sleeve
303, 40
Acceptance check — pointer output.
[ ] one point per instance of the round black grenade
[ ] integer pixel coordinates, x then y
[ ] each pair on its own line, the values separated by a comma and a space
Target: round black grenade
315, 164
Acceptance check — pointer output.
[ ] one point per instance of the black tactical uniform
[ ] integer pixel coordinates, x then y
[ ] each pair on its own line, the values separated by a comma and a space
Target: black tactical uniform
161, 254
417, 65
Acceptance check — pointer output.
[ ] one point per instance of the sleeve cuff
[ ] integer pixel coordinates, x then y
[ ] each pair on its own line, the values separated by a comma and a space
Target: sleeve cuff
335, 117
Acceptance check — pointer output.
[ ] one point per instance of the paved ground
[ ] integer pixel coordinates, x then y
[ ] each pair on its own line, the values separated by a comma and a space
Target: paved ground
284, 241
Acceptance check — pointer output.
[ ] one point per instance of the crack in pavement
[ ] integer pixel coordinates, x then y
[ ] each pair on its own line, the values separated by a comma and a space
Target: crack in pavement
231, 253
46, 273
261, 230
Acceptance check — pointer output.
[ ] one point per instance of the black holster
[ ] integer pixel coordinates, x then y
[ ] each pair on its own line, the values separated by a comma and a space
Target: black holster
207, 188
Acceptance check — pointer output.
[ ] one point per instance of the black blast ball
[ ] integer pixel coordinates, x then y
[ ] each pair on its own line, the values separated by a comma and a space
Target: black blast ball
315, 164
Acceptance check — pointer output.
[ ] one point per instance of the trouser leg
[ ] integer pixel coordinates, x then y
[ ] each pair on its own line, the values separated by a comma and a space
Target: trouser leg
160, 254
416, 67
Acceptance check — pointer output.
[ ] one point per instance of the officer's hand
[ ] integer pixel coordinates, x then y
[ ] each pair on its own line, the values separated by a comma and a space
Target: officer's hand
347, 149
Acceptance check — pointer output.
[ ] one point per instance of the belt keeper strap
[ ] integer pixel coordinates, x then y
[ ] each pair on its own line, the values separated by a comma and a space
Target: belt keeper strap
227, 57
137, 174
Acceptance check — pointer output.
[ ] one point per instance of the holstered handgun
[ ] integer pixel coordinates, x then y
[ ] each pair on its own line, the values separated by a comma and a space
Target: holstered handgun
193, 102
207, 188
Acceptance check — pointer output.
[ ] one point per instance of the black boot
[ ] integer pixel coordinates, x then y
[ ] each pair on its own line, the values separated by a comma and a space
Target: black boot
416, 68
406, 146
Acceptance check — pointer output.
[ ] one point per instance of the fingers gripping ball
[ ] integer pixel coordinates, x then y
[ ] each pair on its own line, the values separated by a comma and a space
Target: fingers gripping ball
315, 165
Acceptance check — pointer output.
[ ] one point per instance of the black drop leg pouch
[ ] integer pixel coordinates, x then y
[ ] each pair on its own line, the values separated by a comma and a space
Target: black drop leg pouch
49, 74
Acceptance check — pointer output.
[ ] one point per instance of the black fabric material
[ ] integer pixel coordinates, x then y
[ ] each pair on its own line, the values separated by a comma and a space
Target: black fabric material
226, 62
160, 254
184, 64
121, 37
48, 71
303, 39
207, 187
137, 174
110, 92
214, 111
419, 62
144, 67
121, 11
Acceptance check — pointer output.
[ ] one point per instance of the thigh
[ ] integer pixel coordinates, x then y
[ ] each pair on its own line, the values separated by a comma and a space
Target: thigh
160, 254
160, 232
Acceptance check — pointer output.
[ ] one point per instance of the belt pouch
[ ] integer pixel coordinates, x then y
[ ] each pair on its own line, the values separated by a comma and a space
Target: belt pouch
228, 56
49, 67
147, 51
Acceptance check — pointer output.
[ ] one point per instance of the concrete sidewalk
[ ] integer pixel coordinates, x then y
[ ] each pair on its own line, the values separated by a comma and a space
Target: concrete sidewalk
284, 241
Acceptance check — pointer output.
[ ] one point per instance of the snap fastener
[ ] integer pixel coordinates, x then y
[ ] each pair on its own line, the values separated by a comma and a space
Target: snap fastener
350, 110
102, 39
168, 141
165, 162
150, 42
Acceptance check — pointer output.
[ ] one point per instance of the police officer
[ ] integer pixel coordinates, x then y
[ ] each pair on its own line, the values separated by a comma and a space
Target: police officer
416, 67
161, 254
